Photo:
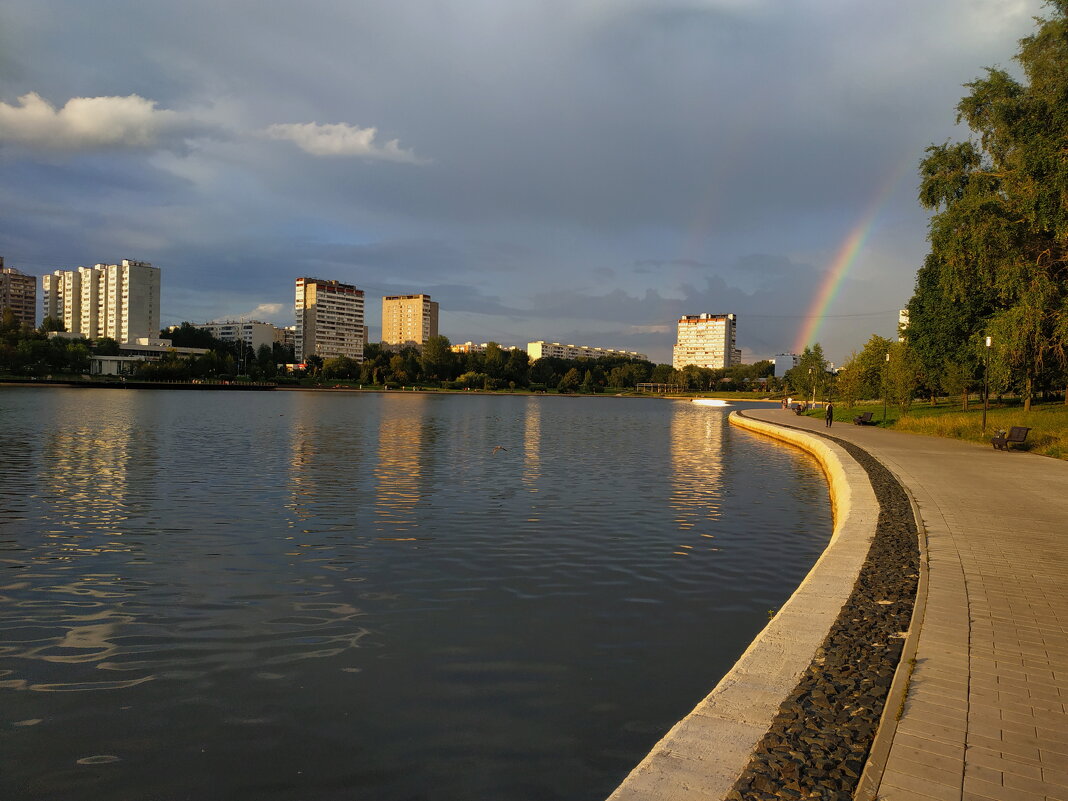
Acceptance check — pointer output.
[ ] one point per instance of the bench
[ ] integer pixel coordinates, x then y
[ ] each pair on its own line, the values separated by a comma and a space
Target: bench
864, 419
1016, 436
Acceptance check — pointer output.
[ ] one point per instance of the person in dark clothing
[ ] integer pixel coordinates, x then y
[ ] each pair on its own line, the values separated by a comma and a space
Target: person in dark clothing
828, 418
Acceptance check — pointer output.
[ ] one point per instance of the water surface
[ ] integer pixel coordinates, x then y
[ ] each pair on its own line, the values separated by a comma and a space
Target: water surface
293, 595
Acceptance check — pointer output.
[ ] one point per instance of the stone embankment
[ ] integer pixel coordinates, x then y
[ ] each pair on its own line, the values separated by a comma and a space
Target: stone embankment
797, 715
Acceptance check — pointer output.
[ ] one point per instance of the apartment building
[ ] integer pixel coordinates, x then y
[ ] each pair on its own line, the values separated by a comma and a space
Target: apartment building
18, 292
408, 320
329, 319
542, 349
472, 347
784, 362
706, 340
120, 301
252, 332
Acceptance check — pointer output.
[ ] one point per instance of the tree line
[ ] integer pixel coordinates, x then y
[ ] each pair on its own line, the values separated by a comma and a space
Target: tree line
31, 352
497, 368
990, 305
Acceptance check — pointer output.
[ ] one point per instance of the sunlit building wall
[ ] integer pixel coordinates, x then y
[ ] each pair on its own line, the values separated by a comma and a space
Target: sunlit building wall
472, 347
329, 318
252, 332
18, 292
706, 340
120, 301
542, 349
408, 320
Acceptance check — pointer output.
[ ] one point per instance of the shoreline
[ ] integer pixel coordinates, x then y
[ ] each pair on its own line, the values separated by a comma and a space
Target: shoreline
760, 724
266, 386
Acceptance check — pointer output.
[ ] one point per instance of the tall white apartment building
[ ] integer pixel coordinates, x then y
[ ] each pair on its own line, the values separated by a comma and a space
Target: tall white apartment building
120, 301
542, 349
408, 320
329, 318
706, 340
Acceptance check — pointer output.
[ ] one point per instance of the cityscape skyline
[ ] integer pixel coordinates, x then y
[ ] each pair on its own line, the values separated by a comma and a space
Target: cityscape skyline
592, 170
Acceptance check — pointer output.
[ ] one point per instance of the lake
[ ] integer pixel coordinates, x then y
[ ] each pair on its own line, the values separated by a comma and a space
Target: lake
318, 595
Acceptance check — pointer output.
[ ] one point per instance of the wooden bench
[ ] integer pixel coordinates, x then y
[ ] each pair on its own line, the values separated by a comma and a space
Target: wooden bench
864, 419
1016, 436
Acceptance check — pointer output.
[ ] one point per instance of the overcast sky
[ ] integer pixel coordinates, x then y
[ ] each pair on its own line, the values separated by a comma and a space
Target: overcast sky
582, 172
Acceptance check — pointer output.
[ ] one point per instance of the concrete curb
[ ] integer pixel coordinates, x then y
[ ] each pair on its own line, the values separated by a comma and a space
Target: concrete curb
875, 765
703, 755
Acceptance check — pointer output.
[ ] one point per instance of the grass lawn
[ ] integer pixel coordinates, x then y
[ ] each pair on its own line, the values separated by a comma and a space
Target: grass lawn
1048, 422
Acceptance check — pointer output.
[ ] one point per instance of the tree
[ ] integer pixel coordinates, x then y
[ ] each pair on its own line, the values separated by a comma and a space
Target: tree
437, 359
570, 382
1001, 228
52, 324
850, 382
495, 360
903, 376
809, 377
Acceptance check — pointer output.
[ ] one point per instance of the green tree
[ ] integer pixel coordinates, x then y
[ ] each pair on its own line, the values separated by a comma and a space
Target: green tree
437, 359
570, 382
495, 361
1001, 228
809, 378
52, 324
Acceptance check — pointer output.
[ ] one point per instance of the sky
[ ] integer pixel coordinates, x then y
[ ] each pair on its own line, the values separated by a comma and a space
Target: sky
583, 172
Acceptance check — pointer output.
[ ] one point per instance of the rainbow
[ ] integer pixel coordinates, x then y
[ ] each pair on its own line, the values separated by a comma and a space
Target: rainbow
845, 257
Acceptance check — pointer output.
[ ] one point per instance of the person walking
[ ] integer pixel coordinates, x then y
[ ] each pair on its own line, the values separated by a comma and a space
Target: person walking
828, 417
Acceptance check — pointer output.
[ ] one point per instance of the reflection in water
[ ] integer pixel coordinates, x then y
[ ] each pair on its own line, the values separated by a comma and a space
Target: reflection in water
399, 470
394, 596
532, 444
697, 468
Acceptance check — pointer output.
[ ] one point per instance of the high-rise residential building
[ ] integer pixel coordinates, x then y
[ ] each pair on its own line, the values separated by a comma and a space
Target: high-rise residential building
18, 292
408, 320
706, 340
329, 317
542, 349
120, 301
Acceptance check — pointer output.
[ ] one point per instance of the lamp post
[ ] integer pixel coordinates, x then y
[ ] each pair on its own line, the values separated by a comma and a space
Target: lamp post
885, 366
986, 382
812, 380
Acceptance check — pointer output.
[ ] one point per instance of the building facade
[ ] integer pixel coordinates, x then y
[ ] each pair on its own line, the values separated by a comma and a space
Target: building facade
542, 349
329, 320
706, 340
252, 332
18, 292
120, 301
408, 320
784, 362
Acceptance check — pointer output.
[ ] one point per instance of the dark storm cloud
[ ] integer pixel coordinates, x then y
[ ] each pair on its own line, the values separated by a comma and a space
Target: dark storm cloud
547, 156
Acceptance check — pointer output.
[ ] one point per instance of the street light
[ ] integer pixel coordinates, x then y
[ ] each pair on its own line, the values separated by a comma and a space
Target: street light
885, 366
986, 383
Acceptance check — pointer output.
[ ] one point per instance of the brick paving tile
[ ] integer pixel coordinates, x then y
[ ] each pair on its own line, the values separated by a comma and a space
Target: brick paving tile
993, 647
919, 787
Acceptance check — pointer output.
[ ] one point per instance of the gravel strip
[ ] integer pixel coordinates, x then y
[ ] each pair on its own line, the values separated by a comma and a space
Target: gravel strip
820, 738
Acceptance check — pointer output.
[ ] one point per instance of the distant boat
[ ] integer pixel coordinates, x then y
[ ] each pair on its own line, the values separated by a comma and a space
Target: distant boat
709, 402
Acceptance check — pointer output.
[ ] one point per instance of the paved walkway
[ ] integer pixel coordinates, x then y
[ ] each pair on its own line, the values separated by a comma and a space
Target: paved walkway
985, 715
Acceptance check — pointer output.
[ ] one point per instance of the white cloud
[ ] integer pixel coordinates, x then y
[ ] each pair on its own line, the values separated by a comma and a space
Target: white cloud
86, 123
340, 139
265, 310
